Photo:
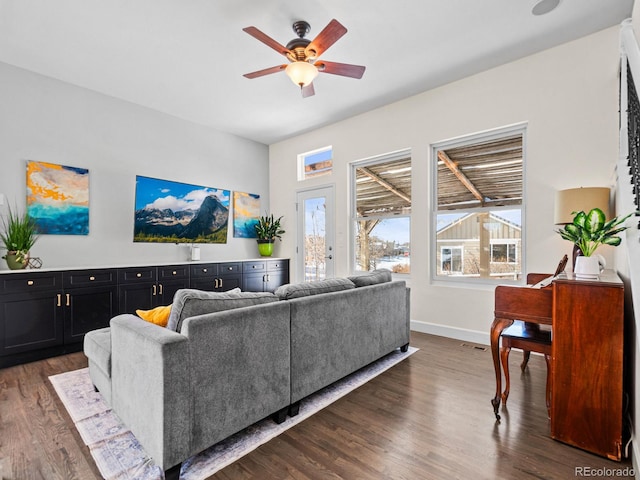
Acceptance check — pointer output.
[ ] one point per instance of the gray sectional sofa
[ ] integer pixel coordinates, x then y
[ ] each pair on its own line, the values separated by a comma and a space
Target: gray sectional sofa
227, 360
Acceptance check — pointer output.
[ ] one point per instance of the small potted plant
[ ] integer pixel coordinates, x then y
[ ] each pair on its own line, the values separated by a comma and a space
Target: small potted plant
268, 229
588, 231
19, 234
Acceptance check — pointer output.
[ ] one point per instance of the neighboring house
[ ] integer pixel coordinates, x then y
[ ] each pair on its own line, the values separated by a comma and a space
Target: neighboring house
460, 250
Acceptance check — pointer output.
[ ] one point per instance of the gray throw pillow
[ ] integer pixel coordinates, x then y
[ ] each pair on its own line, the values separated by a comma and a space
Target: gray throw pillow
297, 290
380, 275
189, 303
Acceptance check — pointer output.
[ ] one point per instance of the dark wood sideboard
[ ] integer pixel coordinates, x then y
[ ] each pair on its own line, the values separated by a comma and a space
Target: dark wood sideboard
47, 313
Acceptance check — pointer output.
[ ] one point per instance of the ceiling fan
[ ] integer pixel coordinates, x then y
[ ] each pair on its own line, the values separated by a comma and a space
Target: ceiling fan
303, 54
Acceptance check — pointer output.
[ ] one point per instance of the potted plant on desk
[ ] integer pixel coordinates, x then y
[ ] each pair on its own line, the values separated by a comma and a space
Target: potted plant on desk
268, 229
19, 235
588, 231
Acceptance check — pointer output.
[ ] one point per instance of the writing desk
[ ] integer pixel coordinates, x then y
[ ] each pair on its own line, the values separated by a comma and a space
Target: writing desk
587, 321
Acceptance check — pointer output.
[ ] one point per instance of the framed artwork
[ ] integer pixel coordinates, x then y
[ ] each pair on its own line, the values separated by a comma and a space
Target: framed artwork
174, 212
246, 210
58, 198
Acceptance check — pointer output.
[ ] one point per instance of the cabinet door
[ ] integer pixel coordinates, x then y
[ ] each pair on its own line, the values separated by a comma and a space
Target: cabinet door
254, 282
277, 274
88, 309
229, 282
30, 321
136, 296
137, 289
168, 288
203, 276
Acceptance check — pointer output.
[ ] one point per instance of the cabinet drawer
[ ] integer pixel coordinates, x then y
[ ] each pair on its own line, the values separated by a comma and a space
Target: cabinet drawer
229, 268
30, 282
204, 270
274, 265
87, 278
134, 275
173, 272
249, 267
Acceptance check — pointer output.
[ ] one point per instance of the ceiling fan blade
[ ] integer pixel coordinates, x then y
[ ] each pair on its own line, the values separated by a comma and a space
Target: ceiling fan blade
344, 69
327, 37
266, 71
267, 40
308, 91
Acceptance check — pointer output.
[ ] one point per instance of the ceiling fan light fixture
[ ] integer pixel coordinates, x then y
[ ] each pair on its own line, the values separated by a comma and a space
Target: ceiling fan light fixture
301, 73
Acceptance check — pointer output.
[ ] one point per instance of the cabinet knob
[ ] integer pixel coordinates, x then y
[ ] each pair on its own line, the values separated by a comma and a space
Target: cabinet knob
174, 273
204, 270
30, 282
92, 278
253, 266
229, 268
138, 275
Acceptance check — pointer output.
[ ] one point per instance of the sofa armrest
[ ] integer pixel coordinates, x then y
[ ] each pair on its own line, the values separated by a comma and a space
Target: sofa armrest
150, 387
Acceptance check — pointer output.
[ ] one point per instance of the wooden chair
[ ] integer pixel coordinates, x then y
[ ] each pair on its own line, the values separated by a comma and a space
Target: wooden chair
529, 338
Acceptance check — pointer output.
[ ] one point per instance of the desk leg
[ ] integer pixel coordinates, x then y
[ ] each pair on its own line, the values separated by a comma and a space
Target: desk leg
498, 325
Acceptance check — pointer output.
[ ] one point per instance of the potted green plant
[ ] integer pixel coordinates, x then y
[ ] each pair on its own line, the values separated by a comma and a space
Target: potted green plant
19, 234
587, 232
268, 229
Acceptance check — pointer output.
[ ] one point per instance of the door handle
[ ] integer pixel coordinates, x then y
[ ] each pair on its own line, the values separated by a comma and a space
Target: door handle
68, 299
153, 290
330, 257
160, 288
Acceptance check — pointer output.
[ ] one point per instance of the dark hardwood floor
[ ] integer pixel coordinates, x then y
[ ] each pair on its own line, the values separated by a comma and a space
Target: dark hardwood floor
429, 417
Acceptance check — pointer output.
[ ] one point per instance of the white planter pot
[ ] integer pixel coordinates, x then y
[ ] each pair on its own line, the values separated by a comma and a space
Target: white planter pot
587, 267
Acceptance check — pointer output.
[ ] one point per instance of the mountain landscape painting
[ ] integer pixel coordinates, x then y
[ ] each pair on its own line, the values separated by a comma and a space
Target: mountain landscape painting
174, 212
58, 198
246, 210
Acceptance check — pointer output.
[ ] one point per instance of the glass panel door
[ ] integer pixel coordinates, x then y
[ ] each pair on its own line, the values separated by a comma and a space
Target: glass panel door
315, 249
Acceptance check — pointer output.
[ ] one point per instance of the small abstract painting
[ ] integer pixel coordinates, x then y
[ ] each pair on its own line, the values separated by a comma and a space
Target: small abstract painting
246, 210
58, 198
174, 212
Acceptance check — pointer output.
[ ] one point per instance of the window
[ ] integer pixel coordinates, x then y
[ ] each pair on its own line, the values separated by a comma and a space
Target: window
315, 164
382, 209
450, 260
478, 190
504, 252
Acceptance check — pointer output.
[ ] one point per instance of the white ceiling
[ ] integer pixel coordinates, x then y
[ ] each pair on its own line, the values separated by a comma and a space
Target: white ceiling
186, 57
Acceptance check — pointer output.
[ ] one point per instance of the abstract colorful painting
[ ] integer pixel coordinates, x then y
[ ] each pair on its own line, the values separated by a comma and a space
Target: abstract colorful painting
246, 210
58, 198
174, 212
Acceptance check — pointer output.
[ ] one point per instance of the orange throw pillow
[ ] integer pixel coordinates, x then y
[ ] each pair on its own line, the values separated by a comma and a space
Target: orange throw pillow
158, 315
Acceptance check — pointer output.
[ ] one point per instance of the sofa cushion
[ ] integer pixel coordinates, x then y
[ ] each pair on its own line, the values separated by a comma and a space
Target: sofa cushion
97, 347
297, 290
158, 315
189, 303
374, 277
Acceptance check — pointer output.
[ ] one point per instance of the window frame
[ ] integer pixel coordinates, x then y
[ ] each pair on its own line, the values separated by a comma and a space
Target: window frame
353, 217
471, 139
451, 247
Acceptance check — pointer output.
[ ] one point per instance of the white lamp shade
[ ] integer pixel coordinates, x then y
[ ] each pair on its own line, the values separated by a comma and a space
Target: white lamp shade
580, 200
301, 73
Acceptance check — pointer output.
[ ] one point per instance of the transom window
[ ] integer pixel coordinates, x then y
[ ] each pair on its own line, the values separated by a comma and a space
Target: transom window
478, 198
315, 163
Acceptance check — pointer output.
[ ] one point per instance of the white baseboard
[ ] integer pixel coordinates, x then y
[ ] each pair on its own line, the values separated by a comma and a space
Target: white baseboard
451, 332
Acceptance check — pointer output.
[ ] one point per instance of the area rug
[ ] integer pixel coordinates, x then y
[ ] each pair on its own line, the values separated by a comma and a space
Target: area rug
118, 455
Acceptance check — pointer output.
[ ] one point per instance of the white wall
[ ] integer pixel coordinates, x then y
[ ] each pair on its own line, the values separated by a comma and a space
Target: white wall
568, 95
51, 121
